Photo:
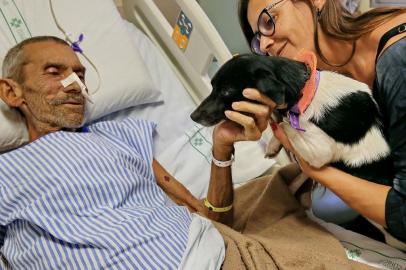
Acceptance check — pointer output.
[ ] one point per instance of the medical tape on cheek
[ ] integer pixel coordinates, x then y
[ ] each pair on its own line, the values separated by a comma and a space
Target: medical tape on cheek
73, 77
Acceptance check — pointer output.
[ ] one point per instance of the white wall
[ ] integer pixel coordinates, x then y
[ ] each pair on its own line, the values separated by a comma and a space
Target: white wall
223, 14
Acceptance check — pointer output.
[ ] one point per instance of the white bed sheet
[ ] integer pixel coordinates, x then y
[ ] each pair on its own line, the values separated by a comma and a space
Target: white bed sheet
364, 249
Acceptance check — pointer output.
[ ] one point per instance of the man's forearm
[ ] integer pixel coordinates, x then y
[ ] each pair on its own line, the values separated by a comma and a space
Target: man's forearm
220, 193
170, 185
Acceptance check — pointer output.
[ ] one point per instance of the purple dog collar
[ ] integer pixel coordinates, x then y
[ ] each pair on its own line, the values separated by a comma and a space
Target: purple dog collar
293, 116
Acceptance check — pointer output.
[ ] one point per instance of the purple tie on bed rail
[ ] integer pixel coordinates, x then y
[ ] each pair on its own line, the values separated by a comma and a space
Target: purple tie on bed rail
75, 45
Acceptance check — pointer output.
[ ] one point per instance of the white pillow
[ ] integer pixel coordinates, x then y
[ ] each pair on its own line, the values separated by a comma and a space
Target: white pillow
124, 79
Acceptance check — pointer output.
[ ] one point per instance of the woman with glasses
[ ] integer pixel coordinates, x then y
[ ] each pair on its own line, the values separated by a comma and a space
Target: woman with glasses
370, 48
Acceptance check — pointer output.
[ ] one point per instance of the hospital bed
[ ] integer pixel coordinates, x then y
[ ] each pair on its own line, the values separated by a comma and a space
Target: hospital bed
181, 72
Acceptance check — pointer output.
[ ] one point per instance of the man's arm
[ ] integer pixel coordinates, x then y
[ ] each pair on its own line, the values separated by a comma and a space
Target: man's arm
246, 122
220, 191
220, 188
175, 190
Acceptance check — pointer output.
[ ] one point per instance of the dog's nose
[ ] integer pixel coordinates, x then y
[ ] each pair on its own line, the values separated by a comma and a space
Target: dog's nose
195, 116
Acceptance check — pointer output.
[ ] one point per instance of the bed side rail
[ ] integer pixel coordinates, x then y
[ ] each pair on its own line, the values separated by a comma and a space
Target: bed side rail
197, 44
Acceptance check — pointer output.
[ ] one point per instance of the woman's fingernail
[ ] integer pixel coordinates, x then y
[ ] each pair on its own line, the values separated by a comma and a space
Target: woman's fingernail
234, 105
274, 126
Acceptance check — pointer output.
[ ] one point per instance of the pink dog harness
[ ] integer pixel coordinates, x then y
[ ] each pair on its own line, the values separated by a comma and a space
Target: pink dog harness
308, 91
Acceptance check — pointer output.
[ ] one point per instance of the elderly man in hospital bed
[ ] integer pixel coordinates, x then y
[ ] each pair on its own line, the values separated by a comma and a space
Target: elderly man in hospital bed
91, 197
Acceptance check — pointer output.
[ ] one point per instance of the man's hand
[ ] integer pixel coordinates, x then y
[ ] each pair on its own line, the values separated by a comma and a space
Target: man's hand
247, 120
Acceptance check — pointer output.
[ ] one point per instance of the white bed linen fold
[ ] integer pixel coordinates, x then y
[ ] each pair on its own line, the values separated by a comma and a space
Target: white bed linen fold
364, 249
205, 249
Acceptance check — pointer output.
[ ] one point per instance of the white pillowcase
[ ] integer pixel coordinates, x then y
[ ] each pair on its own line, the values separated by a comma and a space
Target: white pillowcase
124, 79
13, 131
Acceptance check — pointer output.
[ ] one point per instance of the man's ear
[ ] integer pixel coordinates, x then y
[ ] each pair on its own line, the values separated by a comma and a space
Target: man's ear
11, 93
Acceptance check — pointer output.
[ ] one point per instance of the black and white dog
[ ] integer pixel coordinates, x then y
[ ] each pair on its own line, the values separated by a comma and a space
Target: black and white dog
340, 125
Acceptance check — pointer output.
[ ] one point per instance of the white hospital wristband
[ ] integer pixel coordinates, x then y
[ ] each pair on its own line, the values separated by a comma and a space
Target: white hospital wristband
221, 163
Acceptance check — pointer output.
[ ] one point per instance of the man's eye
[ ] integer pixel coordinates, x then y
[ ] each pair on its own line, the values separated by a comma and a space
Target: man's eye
52, 71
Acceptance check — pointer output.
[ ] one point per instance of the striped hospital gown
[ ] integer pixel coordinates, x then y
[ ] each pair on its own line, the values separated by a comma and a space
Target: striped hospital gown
89, 200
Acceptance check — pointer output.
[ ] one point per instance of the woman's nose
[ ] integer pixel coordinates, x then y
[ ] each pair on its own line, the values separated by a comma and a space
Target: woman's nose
265, 44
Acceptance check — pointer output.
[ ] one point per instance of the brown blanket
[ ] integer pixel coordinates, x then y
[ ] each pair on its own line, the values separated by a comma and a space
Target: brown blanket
271, 230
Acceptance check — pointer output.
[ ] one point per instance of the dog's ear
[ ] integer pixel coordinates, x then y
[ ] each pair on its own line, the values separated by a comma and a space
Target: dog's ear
273, 88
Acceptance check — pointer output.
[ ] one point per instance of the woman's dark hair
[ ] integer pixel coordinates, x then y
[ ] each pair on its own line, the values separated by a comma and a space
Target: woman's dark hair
335, 21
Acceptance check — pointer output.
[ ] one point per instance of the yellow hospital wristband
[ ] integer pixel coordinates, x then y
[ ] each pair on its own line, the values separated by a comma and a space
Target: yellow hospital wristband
217, 209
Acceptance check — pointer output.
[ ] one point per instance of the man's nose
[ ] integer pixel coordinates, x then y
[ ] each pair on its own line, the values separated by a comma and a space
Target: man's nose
74, 87
265, 44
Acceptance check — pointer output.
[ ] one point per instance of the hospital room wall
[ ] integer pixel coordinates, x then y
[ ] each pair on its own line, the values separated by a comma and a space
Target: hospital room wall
223, 14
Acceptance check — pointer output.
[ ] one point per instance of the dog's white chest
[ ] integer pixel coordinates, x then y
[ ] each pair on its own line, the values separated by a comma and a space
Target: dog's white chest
316, 146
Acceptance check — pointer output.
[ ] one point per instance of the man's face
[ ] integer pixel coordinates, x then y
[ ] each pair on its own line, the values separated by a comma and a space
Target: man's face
46, 100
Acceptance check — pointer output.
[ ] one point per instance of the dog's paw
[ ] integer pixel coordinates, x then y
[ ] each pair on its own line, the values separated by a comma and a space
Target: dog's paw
273, 148
317, 162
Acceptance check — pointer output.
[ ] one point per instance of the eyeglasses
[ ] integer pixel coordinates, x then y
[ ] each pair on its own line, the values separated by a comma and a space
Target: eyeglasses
266, 27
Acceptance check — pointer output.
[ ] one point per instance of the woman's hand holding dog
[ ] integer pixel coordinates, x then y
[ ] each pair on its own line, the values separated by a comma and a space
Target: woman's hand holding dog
356, 192
284, 140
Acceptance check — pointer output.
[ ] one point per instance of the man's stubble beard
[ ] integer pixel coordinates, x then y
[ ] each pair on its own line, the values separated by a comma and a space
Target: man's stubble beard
53, 112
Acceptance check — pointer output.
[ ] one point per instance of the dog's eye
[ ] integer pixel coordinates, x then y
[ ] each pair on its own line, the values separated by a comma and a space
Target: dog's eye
227, 93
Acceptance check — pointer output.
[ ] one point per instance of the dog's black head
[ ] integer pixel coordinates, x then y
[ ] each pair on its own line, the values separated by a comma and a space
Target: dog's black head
281, 79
